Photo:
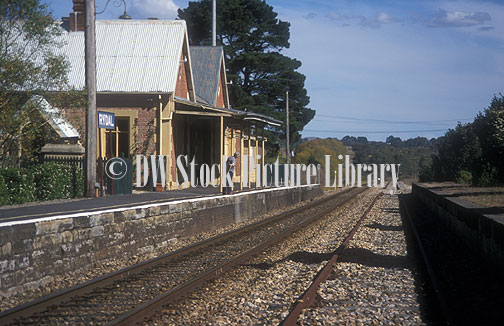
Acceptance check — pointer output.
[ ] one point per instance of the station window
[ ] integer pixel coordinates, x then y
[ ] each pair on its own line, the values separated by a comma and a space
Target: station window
118, 140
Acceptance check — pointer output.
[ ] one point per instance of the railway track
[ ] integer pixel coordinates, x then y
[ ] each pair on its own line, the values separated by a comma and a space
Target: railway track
134, 293
309, 296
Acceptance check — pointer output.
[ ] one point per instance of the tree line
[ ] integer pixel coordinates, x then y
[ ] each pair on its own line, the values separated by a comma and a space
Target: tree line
471, 153
413, 154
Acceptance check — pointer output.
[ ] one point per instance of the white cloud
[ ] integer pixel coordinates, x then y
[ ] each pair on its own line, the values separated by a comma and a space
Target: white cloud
385, 18
458, 19
333, 16
378, 21
310, 15
166, 9
365, 21
405, 71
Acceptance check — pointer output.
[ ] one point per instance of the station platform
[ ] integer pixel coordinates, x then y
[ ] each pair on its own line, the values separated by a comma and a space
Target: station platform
41, 243
37, 210
475, 215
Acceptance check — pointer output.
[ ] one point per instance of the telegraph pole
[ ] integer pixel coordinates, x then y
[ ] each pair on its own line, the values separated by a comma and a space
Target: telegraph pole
91, 123
287, 141
214, 23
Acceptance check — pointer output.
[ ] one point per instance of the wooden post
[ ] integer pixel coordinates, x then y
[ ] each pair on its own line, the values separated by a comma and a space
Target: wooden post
241, 159
110, 156
171, 146
100, 161
160, 127
287, 135
262, 156
91, 119
222, 174
287, 132
233, 149
214, 23
256, 153
249, 160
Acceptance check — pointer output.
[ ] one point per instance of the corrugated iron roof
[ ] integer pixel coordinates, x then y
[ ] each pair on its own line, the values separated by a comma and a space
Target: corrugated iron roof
133, 56
206, 64
53, 115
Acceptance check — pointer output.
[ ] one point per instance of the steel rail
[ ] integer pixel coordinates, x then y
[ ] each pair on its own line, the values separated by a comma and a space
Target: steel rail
41, 304
308, 297
149, 308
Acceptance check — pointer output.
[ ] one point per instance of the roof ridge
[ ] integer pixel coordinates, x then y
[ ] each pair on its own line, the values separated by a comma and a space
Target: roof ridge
142, 21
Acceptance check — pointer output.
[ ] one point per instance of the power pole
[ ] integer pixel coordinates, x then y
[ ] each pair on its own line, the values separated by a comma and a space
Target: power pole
91, 123
214, 23
287, 141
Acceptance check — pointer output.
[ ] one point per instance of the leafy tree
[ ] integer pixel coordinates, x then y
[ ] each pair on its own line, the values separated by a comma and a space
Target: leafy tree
459, 150
472, 153
351, 140
313, 151
362, 140
28, 66
253, 38
412, 158
417, 142
489, 127
394, 141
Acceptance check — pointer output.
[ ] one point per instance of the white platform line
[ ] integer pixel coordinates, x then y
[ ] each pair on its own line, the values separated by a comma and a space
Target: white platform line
122, 209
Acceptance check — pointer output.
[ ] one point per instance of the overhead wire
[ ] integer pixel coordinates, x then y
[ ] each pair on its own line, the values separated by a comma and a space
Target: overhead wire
388, 121
374, 132
327, 118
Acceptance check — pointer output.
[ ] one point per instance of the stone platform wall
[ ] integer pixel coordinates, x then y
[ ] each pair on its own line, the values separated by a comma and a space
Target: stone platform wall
35, 253
474, 224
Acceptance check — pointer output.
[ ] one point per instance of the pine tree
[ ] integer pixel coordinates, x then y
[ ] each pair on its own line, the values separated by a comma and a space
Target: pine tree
253, 38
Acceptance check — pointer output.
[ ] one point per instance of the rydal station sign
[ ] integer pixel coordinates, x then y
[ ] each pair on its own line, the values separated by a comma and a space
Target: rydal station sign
106, 120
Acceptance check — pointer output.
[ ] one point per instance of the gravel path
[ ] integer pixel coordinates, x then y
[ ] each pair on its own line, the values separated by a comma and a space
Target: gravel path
373, 283
263, 290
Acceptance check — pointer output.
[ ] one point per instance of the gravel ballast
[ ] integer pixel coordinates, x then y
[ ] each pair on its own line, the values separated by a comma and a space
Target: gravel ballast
263, 290
372, 283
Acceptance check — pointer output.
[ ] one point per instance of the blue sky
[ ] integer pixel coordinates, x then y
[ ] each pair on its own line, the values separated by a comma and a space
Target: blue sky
376, 68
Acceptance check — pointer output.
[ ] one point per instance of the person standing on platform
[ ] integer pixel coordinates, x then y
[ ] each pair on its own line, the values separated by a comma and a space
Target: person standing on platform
230, 167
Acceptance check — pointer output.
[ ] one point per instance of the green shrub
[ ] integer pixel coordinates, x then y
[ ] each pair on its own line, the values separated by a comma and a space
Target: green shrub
77, 181
50, 181
4, 192
464, 177
56, 181
46, 181
20, 185
488, 176
425, 174
75, 176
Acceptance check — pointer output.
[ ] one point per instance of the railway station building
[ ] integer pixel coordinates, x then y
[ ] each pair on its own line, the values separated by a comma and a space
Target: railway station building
168, 98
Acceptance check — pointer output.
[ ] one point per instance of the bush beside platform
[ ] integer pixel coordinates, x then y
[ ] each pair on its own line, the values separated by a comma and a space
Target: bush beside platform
41, 182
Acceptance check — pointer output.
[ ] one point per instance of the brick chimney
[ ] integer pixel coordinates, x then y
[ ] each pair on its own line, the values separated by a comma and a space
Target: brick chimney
77, 18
